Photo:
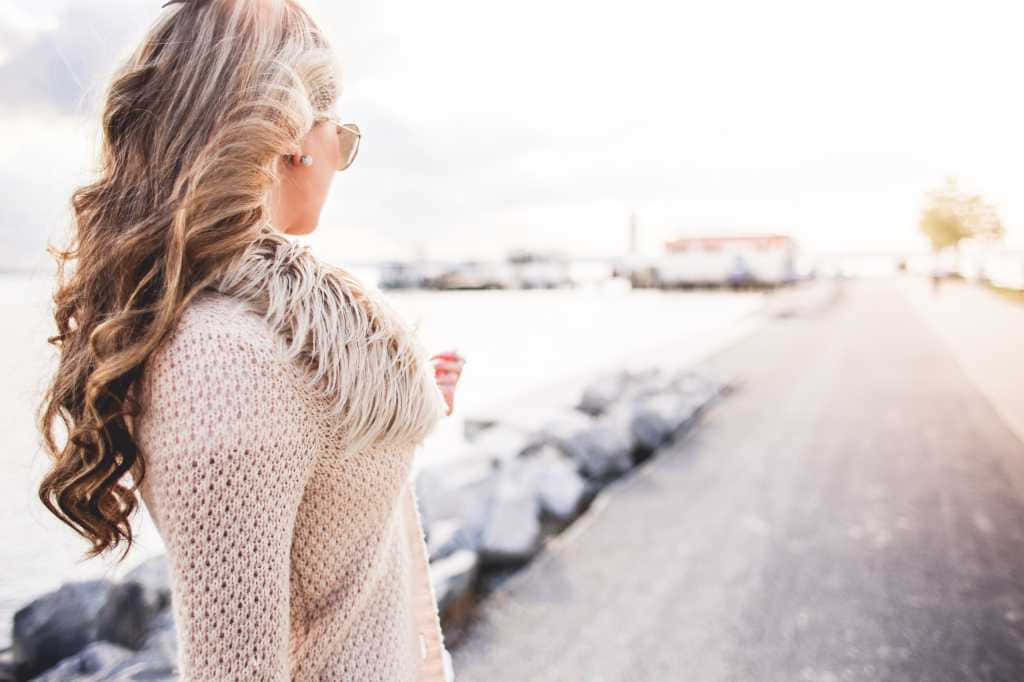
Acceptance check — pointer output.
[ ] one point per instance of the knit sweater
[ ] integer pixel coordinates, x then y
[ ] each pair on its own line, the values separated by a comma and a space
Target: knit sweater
290, 557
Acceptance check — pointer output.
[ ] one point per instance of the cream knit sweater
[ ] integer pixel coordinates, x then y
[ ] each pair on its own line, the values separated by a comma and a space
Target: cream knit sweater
290, 557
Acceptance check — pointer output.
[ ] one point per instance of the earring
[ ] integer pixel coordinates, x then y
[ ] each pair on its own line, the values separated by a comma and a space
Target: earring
306, 160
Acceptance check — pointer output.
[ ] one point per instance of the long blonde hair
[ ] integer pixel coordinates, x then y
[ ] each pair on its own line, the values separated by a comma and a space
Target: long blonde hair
193, 123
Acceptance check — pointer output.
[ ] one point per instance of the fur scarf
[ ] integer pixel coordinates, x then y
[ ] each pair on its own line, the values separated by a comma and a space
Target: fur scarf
355, 350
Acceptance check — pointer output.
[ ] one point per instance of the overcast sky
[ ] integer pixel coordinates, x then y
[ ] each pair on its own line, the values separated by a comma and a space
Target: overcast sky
489, 126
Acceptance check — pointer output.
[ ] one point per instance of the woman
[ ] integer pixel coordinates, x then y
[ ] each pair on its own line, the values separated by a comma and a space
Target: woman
265, 405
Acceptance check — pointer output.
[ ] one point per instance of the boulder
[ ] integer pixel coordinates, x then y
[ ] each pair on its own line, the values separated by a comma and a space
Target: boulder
447, 536
554, 478
153, 576
7, 667
602, 392
622, 444
93, 662
612, 387
563, 424
512, 532
57, 625
657, 418
654, 419
600, 447
458, 489
161, 640
453, 576
147, 665
503, 442
472, 427
133, 602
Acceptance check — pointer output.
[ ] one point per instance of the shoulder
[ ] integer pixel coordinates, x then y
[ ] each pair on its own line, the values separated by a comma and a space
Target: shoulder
220, 348
218, 321
219, 395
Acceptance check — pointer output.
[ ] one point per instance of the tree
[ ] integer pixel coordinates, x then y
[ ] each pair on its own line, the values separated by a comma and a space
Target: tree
951, 215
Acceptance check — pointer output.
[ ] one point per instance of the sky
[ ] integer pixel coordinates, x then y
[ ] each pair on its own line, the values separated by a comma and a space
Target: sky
492, 126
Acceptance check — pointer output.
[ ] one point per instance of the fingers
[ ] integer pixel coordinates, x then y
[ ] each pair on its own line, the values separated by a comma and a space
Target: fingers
448, 392
448, 366
451, 355
447, 370
447, 375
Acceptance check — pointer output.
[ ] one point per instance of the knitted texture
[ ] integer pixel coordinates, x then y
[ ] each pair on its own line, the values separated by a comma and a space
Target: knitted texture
291, 556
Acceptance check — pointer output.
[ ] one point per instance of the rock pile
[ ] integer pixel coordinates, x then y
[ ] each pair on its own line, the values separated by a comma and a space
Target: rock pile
97, 630
486, 512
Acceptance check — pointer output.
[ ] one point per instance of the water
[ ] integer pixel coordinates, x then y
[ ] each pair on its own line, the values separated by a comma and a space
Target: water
522, 347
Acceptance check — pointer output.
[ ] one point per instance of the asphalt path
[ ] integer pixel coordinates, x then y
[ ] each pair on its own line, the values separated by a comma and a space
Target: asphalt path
854, 510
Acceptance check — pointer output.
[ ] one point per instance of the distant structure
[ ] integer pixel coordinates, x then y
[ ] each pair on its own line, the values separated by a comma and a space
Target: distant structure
759, 242
736, 259
521, 269
540, 269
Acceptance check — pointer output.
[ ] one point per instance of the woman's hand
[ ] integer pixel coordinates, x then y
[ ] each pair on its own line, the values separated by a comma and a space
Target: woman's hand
447, 370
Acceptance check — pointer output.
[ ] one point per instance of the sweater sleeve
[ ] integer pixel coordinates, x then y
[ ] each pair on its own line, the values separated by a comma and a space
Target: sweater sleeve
228, 450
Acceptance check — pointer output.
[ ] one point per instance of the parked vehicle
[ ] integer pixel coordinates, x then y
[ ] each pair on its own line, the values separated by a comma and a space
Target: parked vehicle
476, 275
400, 275
539, 270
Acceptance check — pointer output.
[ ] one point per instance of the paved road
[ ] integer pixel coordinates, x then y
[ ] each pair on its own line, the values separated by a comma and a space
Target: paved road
854, 511
985, 331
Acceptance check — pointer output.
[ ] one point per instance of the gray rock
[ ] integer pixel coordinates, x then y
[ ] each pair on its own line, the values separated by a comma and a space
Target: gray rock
447, 536
7, 667
553, 477
563, 424
512, 530
92, 662
602, 392
154, 575
453, 576
133, 603
600, 447
146, 665
57, 625
503, 442
612, 387
162, 638
618, 421
657, 418
459, 489
472, 427
652, 420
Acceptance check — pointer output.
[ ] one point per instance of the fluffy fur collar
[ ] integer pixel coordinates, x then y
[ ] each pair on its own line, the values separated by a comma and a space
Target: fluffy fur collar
355, 349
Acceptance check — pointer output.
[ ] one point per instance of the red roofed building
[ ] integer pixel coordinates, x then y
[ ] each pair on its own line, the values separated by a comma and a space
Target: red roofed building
717, 242
734, 259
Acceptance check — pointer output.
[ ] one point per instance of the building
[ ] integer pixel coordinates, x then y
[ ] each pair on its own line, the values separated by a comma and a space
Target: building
726, 259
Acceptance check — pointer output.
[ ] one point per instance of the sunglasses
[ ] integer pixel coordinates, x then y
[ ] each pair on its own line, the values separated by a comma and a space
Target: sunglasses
348, 141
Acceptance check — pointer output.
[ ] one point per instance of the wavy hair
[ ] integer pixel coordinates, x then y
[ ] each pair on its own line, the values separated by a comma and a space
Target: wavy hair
194, 122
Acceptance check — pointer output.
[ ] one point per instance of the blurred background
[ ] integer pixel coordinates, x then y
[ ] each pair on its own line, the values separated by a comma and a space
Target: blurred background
559, 188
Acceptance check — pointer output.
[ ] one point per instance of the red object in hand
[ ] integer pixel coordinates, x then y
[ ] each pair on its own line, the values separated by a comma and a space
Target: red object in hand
447, 370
